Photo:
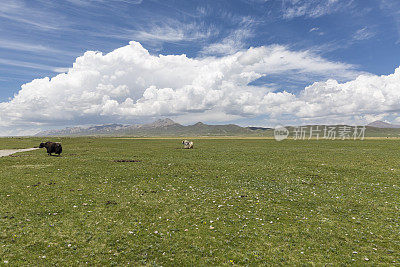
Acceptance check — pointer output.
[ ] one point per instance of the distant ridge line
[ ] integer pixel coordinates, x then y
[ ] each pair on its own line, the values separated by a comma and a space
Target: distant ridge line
167, 127
382, 124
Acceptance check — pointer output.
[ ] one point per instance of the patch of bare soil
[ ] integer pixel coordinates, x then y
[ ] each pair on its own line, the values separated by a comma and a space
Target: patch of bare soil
7, 152
127, 160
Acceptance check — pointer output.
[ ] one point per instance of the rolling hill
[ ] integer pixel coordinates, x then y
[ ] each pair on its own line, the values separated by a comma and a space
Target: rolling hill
162, 127
167, 127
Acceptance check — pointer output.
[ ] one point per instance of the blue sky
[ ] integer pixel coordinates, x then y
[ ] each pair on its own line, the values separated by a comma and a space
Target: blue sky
42, 38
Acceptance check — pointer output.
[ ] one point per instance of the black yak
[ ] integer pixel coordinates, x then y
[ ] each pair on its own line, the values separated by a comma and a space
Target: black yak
52, 147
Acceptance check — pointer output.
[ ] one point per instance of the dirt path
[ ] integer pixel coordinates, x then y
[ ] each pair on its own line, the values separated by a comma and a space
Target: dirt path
7, 152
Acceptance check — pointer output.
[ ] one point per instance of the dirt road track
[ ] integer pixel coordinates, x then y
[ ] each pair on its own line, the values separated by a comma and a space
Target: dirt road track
7, 152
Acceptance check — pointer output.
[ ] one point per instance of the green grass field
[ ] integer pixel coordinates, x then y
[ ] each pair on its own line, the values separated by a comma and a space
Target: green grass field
244, 201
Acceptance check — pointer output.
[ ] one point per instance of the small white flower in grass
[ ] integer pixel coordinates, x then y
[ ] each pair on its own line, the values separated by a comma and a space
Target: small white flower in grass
69, 245
156, 232
354, 252
130, 232
5, 262
366, 259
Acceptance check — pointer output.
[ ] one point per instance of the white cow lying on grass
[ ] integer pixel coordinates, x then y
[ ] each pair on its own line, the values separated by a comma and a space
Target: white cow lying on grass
187, 144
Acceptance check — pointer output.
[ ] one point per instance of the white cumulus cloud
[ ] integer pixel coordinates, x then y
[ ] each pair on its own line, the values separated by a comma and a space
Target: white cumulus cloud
367, 94
129, 84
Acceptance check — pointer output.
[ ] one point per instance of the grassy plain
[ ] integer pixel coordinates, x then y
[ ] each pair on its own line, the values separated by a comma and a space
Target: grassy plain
232, 201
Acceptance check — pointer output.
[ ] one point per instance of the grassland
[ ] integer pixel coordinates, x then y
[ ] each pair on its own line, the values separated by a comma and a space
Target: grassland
233, 201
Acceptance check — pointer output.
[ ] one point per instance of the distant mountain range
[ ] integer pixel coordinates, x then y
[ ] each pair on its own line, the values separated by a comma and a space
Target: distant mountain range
162, 127
167, 127
382, 124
